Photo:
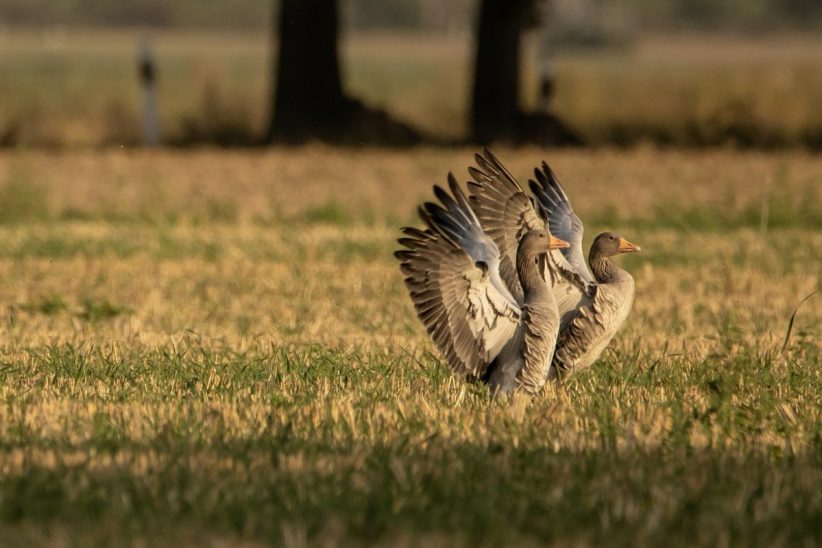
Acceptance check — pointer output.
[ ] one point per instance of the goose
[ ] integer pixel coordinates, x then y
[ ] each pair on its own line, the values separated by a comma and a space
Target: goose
452, 273
593, 304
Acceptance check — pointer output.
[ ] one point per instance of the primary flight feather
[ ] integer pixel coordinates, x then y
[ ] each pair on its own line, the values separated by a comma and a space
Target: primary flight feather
492, 317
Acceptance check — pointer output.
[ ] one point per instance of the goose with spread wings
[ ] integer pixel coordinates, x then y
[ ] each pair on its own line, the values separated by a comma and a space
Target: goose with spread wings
453, 274
593, 304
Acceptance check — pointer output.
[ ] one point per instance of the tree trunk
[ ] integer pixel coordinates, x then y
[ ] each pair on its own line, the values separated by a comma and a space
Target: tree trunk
308, 99
495, 102
495, 112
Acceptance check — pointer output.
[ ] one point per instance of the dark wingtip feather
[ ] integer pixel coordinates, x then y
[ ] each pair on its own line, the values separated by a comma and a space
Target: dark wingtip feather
535, 187
485, 165
437, 219
473, 187
552, 180
478, 175
548, 191
453, 185
423, 214
489, 156
486, 152
443, 196
403, 254
410, 243
415, 232
540, 177
437, 213
433, 209
458, 193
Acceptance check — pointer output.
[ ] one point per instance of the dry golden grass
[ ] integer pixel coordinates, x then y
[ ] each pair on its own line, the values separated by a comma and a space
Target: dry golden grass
372, 185
217, 346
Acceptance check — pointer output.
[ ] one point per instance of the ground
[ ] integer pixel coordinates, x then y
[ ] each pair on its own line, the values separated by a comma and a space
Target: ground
216, 347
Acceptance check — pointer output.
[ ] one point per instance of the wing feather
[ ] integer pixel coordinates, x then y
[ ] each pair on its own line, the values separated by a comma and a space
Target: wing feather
505, 211
562, 221
452, 273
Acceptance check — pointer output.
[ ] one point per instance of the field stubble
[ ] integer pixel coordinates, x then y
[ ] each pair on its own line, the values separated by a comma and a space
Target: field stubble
217, 347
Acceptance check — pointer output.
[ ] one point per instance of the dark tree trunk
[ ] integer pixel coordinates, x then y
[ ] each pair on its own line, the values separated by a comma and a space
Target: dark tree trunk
495, 112
494, 108
308, 101
308, 97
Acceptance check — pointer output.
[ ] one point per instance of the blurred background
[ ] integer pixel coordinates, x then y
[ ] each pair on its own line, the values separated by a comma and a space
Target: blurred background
690, 73
204, 336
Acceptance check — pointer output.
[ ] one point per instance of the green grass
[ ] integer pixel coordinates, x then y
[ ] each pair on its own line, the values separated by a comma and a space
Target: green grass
101, 310
50, 304
271, 442
329, 213
241, 364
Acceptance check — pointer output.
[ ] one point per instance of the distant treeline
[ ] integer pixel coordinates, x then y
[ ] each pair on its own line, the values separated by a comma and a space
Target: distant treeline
633, 15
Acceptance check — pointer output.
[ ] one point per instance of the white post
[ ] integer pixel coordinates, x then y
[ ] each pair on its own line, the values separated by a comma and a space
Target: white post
148, 74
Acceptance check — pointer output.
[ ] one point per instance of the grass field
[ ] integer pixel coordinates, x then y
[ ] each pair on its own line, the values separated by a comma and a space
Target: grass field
214, 348
79, 88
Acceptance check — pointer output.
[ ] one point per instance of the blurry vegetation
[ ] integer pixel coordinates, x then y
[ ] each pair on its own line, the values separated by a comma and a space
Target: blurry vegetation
95, 310
382, 14
22, 199
329, 213
736, 15
615, 84
91, 310
48, 305
693, 191
690, 92
219, 121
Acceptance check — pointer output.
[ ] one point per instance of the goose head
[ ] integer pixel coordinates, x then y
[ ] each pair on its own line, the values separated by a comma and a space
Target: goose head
609, 244
539, 242
532, 256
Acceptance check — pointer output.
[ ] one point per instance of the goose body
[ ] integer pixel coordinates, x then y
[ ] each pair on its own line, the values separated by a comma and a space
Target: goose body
589, 327
592, 307
592, 317
536, 335
453, 274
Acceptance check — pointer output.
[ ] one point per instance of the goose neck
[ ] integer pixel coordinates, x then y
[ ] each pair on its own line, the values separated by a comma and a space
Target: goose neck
530, 268
603, 269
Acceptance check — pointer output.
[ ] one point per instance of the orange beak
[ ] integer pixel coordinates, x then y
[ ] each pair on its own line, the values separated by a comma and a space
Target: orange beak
627, 247
556, 243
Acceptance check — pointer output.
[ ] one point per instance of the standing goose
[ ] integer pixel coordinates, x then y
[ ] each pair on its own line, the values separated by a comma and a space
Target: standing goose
589, 320
592, 307
452, 271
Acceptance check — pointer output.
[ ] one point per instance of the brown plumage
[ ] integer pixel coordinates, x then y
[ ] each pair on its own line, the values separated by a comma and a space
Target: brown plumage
590, 318
591, 307
453, 274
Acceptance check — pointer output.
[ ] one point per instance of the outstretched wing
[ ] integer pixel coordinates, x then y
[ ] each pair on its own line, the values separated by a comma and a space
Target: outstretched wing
505, 211
562, 221
452, 275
